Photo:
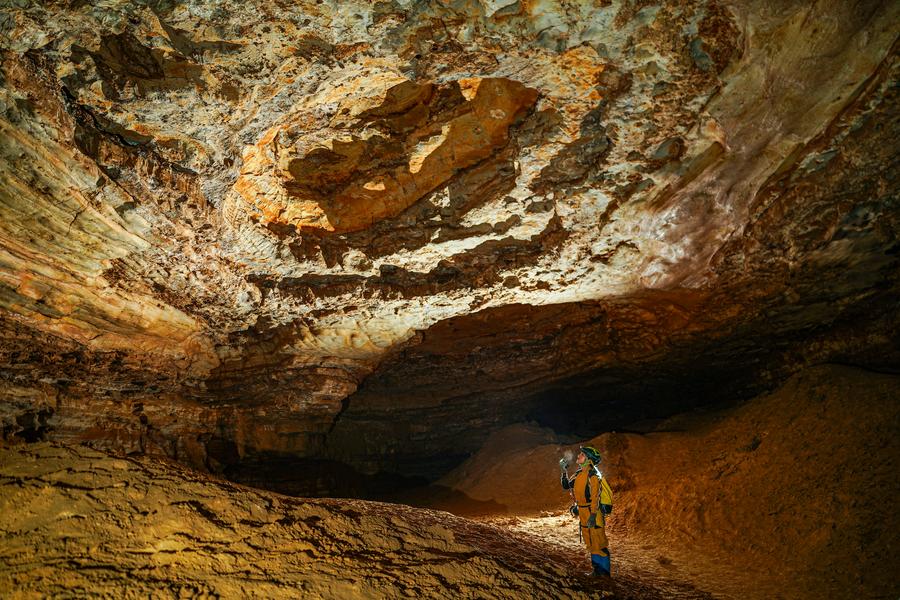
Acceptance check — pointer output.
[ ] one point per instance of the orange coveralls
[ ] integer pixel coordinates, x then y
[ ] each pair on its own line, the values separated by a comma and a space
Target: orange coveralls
587, 488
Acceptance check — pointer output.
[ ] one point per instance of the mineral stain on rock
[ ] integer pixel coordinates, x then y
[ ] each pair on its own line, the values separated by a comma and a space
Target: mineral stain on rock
293, 244
387, 159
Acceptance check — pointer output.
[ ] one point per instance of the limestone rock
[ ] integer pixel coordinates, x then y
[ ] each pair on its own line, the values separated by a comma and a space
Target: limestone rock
99, 525
375, 232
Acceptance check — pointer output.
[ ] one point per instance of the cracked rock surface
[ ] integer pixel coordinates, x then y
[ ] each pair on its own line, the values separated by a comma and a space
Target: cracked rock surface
374, 232
75, 521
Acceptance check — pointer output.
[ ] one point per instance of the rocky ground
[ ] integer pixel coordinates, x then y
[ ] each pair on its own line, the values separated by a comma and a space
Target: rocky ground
76, 522
763, 501
80, 523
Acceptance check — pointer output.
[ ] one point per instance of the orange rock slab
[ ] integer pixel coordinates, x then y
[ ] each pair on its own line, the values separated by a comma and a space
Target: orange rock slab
391, 157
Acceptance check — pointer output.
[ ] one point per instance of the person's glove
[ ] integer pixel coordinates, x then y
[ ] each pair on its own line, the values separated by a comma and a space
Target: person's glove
574, 510
592, 521
563, 465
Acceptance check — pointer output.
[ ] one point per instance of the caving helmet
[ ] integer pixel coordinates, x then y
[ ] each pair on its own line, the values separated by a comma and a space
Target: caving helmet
591, 453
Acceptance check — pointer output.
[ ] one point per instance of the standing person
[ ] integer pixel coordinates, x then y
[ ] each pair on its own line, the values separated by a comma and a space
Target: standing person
593, 497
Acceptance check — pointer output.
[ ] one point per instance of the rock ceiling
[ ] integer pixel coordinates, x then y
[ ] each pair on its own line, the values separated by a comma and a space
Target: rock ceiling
361, 230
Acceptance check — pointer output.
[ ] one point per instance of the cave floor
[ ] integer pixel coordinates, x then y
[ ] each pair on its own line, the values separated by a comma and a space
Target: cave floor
77, 522
640, 566
639, 563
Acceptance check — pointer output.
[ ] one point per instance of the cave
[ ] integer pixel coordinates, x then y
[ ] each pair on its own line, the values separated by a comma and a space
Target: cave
320, 299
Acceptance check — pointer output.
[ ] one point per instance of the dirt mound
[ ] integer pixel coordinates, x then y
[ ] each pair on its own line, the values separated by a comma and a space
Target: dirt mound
792, 495
511, 471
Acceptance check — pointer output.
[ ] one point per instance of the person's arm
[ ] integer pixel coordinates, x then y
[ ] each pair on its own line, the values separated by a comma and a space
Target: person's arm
594, 483
564, 476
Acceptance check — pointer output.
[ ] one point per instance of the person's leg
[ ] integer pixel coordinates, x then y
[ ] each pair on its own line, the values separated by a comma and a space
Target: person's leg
598, 546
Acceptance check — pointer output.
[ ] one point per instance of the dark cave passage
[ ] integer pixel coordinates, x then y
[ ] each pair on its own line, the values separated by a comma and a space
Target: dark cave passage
573, 413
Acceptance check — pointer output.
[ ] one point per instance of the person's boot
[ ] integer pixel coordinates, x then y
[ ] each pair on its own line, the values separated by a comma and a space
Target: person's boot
601, 565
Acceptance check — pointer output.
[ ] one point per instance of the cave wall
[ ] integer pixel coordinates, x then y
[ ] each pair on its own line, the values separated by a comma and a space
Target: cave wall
374, 233
765, 499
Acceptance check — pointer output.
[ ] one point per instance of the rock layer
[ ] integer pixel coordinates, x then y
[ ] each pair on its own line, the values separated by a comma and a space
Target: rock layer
374, 233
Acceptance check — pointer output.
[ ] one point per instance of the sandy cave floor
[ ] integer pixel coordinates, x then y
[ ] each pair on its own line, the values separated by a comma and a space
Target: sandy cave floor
640, 562
688, 520
76, 523
636, 563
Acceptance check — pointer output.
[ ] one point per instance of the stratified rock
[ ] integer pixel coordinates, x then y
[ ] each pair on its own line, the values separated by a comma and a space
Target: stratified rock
375, 232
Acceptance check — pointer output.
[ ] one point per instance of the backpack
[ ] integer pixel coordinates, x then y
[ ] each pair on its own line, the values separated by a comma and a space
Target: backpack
605, 493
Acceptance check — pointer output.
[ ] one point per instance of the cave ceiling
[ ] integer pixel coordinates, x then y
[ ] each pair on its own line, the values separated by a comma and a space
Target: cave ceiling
360, 230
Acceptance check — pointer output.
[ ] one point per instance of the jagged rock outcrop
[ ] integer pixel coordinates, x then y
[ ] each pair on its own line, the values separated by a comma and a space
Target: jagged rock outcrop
375, 232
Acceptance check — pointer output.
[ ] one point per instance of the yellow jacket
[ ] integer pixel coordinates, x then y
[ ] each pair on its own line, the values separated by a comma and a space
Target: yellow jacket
592, 493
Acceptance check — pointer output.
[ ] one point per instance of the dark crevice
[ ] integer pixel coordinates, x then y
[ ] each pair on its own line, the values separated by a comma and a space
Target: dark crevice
345, 404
